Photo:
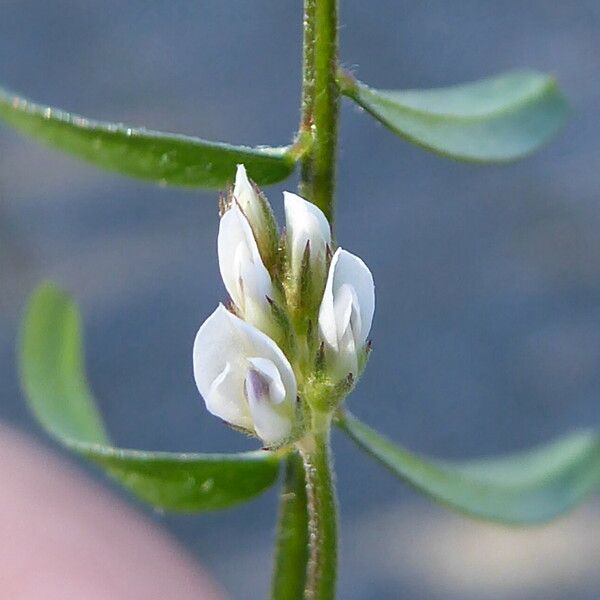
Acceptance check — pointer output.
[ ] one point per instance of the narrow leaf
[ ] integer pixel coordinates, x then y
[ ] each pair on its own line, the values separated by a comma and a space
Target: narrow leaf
165, 158
58, 395
524, 488
498, 119
291, 549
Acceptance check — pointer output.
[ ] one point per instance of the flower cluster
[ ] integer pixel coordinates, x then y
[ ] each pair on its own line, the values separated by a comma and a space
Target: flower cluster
293, 339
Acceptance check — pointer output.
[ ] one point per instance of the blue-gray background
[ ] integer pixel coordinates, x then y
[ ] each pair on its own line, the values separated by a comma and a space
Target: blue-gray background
488, 278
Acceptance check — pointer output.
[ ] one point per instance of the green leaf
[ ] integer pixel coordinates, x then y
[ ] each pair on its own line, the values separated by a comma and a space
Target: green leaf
58, 395
524, 488
291, 550
165, 158
498, 119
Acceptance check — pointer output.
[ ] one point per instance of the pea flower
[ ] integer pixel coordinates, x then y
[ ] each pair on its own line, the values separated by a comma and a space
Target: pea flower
244, 378
246, 196
244, 274
307, 228
259, 214
346, 311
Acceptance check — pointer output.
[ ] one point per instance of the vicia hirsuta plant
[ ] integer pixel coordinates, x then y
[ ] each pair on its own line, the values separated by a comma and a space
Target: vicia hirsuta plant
278, 360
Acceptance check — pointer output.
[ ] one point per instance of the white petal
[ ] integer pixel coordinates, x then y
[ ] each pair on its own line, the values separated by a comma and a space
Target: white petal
347, 306
347, 358
222, 399
243, 191
272, 376
219, 369
225, 349
305, 222
345, 309
327, 321
241, 266
350, 269
247, 197
270, 425
272, 416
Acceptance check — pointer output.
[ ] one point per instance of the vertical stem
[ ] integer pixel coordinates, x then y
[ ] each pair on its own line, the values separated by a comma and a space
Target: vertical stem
308, 97
320, 107
291, 551
320, 102
322, 521
308, 66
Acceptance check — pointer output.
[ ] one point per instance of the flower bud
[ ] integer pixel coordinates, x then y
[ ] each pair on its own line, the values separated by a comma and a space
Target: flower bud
308, 236
244, 274
244, 377
346, 312
259, 215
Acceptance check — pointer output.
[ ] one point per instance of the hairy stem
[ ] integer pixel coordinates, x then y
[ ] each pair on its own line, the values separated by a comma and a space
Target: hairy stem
291, 550
308, 66
306, 555
320, 102
322, 520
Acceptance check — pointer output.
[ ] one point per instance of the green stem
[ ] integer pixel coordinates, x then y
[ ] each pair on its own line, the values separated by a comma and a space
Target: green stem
320, 102
291, 551
308, 66
308, 97
306, 556
322, 520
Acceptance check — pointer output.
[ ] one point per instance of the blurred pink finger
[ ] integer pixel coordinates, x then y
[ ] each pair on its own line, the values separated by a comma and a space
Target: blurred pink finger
63, 537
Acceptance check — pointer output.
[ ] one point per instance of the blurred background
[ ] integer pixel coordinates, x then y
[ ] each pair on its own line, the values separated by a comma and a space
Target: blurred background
486, 337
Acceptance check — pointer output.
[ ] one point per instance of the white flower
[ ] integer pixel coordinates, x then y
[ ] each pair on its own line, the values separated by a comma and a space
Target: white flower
346, 311
259, 215
244, 377
244, 274
247, 198
306, 223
